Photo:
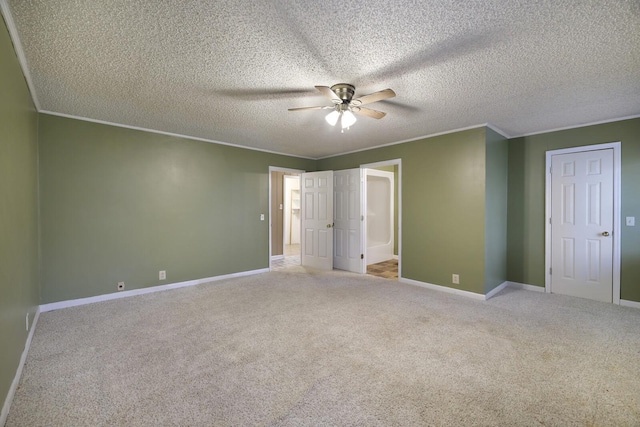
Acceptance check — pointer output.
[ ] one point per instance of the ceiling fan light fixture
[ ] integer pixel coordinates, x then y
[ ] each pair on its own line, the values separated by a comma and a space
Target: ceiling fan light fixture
348, 119
344, 105
332, 117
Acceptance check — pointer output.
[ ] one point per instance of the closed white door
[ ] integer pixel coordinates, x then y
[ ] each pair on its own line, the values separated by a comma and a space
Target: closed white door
582, 224
317, 219
347, 235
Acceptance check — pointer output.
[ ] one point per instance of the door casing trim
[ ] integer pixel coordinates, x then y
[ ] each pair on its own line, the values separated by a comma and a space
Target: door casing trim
617, 171
391, 162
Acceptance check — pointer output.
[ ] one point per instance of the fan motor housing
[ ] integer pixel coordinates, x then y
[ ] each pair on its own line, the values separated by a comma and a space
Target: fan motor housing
345, 91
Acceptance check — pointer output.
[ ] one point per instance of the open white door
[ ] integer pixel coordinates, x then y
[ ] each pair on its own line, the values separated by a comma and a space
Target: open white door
348, 220
317, 219
582, 224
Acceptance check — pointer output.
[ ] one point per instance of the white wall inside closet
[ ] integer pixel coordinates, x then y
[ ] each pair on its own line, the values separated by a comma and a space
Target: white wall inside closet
291, 210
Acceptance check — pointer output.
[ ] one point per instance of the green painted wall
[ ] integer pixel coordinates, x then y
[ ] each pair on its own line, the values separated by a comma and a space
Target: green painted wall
527, 199
18, 211
120, 205
443, 205
497, 161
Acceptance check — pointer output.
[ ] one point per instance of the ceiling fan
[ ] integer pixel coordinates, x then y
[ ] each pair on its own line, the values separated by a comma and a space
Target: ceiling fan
344, 106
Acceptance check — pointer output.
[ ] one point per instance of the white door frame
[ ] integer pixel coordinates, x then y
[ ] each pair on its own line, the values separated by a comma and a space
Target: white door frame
616, 146
276, 169
392, 162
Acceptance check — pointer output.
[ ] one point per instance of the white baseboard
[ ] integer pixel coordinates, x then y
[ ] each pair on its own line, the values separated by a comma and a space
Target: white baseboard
516, 285
125, 294
495, 290
526, 287
489, 294
627, 303
442, 288
16, 380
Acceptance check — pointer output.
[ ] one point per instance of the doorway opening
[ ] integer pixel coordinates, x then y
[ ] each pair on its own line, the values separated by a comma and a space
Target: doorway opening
292, 219
284, 217
382, 218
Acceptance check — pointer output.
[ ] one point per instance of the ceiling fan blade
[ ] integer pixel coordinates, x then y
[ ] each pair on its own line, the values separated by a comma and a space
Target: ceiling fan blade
373, 97
329, 93
363, 111
310, 108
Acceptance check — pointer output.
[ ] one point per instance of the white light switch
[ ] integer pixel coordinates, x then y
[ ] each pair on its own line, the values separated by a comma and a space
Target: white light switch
261, 217
631, 221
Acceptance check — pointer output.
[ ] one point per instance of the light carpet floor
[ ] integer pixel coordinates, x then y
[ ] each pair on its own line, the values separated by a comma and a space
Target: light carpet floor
303, 348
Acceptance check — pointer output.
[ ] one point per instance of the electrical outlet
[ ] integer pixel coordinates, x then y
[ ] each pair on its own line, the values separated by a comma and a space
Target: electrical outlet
162, 275
455, 278
121, 286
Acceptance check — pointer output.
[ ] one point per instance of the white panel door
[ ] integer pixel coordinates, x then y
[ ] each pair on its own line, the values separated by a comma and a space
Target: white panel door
582, 224
347, 217
317, 219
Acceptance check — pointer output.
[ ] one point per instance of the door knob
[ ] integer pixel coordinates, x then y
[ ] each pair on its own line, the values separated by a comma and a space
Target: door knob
605, 234
329, 225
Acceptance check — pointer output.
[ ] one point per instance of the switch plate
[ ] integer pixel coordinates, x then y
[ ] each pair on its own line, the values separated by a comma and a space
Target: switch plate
261, 217
631, 221
455, 278
162, 275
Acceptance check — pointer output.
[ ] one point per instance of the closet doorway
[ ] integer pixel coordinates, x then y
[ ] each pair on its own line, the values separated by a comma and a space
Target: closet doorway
382, 214
285, 225
291, 215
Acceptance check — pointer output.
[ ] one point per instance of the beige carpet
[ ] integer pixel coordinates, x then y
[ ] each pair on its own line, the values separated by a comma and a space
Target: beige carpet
291, 348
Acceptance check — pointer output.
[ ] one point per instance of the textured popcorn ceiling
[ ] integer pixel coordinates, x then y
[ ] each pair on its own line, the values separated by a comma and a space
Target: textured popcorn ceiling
227, 70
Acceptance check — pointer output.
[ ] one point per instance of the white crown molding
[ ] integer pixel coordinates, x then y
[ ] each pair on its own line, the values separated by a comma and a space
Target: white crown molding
177, 135
17, 45
488, 125
433, 135
584, 125
498, 131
